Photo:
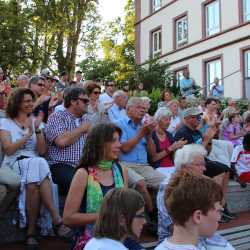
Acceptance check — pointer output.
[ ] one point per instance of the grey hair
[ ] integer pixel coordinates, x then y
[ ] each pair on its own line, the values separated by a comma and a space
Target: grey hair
186, 154
145, 98
22, 77
133, 101
35, 80
118, 93
162, 112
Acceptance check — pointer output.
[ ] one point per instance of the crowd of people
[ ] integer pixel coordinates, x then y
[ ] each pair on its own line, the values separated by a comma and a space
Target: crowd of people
118, 166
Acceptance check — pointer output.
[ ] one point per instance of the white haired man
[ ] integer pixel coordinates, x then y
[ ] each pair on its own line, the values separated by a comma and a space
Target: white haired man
136, 143
190, 157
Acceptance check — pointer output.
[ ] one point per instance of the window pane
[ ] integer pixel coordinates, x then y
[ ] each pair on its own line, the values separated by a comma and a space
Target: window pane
246, 10
247, 64
156, 42
212, 18
159, 46
156, 5
181, 32
213, 70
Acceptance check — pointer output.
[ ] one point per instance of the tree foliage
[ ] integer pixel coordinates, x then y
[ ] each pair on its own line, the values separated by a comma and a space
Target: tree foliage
45, 33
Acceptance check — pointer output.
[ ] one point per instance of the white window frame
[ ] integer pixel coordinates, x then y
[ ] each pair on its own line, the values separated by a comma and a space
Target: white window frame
246, 10
156, 37
213, 19
184, 30
247, 63
156, 5
213, 69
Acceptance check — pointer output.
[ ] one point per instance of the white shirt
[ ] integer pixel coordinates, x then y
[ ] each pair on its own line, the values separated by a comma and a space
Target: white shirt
241, 158
166, 245
104, 244
175, 121
59, 108
105, 99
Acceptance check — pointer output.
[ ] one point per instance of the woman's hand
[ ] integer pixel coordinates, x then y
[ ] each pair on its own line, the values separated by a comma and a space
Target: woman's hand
38, 119
176, 145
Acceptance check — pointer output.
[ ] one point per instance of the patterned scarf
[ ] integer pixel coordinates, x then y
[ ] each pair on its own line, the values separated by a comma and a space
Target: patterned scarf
94, 190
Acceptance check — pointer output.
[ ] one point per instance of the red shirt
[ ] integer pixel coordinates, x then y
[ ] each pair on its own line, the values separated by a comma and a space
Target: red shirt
167, 160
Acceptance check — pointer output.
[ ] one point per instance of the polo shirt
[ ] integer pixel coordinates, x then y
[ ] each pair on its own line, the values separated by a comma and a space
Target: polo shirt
192, 136
138, 154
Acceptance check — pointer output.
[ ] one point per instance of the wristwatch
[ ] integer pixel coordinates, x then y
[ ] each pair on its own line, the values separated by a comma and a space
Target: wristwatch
38, 131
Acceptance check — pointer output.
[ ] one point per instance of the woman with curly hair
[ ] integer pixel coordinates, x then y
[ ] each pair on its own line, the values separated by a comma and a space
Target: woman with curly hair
23, 143
98, 172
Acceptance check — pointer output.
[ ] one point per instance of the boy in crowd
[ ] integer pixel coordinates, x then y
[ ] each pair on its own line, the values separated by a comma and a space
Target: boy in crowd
198, 217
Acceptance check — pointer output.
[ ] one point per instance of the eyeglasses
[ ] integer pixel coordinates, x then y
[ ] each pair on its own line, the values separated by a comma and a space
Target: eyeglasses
97, 92
84, 100
140, 216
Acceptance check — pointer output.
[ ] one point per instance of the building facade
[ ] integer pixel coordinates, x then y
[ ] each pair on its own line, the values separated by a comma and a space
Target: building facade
209, 37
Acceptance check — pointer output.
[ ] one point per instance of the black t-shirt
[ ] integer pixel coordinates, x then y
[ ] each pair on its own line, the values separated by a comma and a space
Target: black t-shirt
192, 136
44, 107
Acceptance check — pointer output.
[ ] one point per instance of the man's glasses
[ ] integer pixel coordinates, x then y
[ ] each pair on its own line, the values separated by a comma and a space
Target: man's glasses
84, 100
97, 92
110, 85
41, 85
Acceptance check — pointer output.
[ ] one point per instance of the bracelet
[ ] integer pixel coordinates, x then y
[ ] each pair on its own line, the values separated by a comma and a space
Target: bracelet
38, 131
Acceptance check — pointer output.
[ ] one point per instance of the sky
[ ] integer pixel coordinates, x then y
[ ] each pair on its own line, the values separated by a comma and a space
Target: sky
110, 9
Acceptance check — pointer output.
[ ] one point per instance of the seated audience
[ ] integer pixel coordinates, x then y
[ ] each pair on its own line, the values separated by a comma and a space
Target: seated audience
191, 159
97, 173
23, 144
194, 203
165, 146
120, 221
65, 133
117, 110
136, 142
189, 131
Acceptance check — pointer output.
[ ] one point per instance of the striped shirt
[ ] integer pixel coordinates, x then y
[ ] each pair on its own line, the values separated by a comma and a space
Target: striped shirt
59, 123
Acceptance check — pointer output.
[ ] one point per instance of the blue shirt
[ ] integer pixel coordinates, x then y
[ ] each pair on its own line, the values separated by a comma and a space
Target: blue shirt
138, 154
186, 83
116, 113
217, 91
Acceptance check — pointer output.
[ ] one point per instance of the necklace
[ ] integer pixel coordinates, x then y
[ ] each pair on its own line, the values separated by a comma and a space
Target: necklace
20, 125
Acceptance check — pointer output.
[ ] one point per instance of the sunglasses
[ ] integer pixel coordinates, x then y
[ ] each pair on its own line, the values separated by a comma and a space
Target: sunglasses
41, 85
84, 100
97, 92
110, 85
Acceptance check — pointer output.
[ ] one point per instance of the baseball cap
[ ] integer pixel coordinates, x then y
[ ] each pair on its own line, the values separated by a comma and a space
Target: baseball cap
193, 111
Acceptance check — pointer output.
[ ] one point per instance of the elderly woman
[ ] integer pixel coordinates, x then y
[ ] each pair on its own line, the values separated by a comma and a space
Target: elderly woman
164, 142
96, 111
23, 142
191, 158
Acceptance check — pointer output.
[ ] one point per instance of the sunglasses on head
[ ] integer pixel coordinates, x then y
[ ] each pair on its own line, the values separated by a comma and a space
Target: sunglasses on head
84, 100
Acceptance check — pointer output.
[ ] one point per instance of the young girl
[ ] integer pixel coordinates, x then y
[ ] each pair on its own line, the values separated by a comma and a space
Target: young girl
120, 220
233, 131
